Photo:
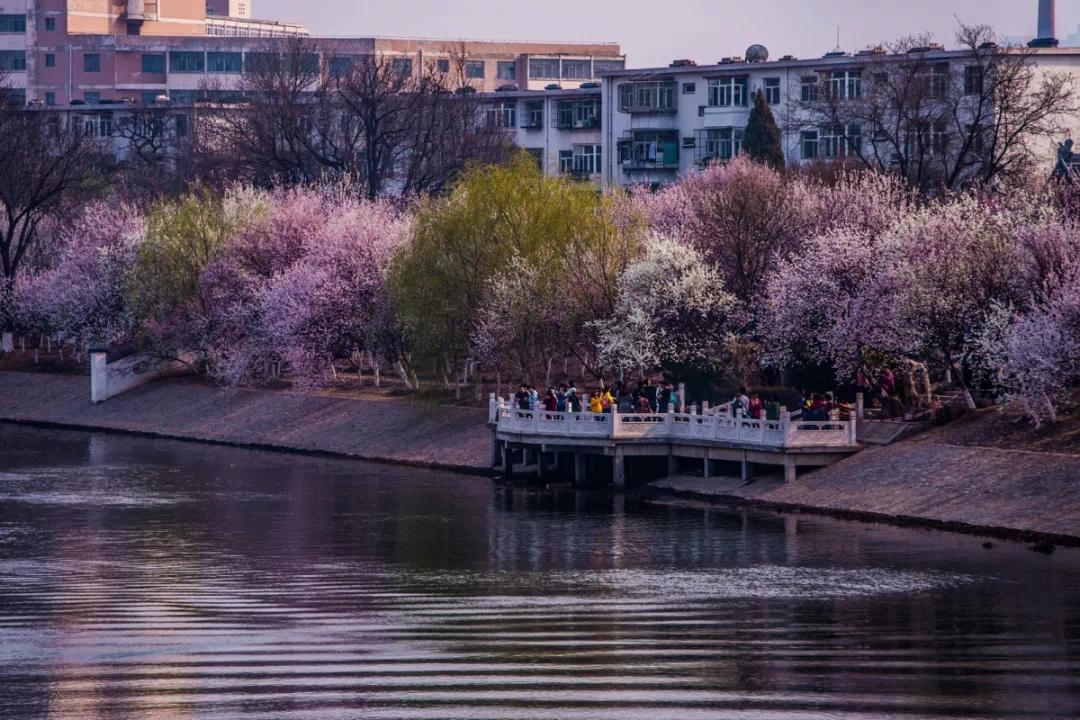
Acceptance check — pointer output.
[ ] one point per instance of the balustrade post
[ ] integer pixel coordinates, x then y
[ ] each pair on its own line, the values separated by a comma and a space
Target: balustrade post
704, 407
616, 422
493, 409
860, 406
785, 427
682, 397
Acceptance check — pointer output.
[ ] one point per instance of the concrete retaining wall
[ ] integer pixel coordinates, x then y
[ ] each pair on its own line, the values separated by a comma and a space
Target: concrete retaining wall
377, 429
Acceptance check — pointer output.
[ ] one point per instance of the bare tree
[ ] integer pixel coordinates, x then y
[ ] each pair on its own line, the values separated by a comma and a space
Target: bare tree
265, 137
940, 120
390, 127
155, 150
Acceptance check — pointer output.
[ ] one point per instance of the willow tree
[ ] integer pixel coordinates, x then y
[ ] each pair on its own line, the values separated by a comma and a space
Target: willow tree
560, 243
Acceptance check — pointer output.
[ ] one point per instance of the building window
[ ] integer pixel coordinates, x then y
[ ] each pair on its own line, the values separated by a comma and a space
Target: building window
92, 98
12, 60
501, 114
91, 62
727, 92
337, 66
689, 142
647, 97
576, 69
50, 24
809, 89
181, 126
187, 62
442, 65
50, 98
226, 62
689, 88
402, 66
543, 69
603, 66
506, 70
772, 91
50, 59
840, 141
12, 23
534, 114
587, 159
845, 84
566, 161
474, 69
719, 144
808, 142
153, 63
935, 80
578, 114
973, 80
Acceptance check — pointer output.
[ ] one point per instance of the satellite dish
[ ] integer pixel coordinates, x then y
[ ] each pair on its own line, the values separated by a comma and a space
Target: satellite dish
757, 53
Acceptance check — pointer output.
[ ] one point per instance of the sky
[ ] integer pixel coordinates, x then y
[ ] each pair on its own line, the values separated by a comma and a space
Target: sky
654, 33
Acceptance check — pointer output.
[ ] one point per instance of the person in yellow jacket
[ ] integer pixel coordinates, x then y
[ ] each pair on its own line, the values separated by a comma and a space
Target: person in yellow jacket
596, 403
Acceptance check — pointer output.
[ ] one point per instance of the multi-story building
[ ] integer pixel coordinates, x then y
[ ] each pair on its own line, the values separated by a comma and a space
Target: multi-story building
660, 123
561, 129
57, 52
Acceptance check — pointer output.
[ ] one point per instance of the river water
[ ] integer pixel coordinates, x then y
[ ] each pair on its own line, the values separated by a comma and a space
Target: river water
155, 579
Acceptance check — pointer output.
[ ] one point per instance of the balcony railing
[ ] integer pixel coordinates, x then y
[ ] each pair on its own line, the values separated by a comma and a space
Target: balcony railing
718, 427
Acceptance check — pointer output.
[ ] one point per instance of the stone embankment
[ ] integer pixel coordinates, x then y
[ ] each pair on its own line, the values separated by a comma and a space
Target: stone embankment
942, 478
383, 430
929, 481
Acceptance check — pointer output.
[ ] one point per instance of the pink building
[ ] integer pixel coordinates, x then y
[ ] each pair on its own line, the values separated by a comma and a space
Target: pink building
62, 52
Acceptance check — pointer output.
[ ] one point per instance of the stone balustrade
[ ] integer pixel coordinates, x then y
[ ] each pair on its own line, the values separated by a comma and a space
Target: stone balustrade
719, 427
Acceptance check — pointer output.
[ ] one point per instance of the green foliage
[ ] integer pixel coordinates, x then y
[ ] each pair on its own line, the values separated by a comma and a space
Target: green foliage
762, 140
182, 237
501, 218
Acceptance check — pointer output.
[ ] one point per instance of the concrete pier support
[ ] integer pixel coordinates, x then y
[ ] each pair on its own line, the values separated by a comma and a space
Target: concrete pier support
672, 466
507, 461
710, 468
496, 450
618, 465
747, 470
580, 461
790, 471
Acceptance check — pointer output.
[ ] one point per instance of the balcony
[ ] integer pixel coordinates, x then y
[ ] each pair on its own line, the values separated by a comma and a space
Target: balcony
578, 115
649, 150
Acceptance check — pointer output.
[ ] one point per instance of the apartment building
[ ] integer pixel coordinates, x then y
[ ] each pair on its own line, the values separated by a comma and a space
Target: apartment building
561, 129
59, 52
661, 123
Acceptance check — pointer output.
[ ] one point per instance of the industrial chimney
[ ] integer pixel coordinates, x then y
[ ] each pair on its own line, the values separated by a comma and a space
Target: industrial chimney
1045, 37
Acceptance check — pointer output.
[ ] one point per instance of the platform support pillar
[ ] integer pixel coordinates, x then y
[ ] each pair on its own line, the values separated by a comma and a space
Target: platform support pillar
618, 464
790, 471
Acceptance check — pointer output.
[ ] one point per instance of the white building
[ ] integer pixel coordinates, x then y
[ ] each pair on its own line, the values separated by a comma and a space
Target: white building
661, 123
561, 129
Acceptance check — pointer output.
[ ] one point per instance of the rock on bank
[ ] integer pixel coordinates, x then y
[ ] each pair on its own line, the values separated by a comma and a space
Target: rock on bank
385, 430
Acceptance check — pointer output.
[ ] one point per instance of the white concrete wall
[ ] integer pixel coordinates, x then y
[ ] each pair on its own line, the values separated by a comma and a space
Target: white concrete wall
107, 380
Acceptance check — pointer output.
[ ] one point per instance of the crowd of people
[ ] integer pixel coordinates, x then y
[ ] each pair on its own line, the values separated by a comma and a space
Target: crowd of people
645, 397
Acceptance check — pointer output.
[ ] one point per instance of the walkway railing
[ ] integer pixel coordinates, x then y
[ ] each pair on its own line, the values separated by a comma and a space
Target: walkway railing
787, 432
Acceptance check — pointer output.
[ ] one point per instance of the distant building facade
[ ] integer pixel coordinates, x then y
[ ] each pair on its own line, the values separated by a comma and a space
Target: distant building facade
662, 123
58, 52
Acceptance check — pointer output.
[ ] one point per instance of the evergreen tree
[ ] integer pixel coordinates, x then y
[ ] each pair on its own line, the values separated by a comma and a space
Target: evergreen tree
762, 140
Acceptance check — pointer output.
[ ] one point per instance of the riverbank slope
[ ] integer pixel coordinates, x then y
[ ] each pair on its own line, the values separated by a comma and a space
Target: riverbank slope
969, 476
384, 429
